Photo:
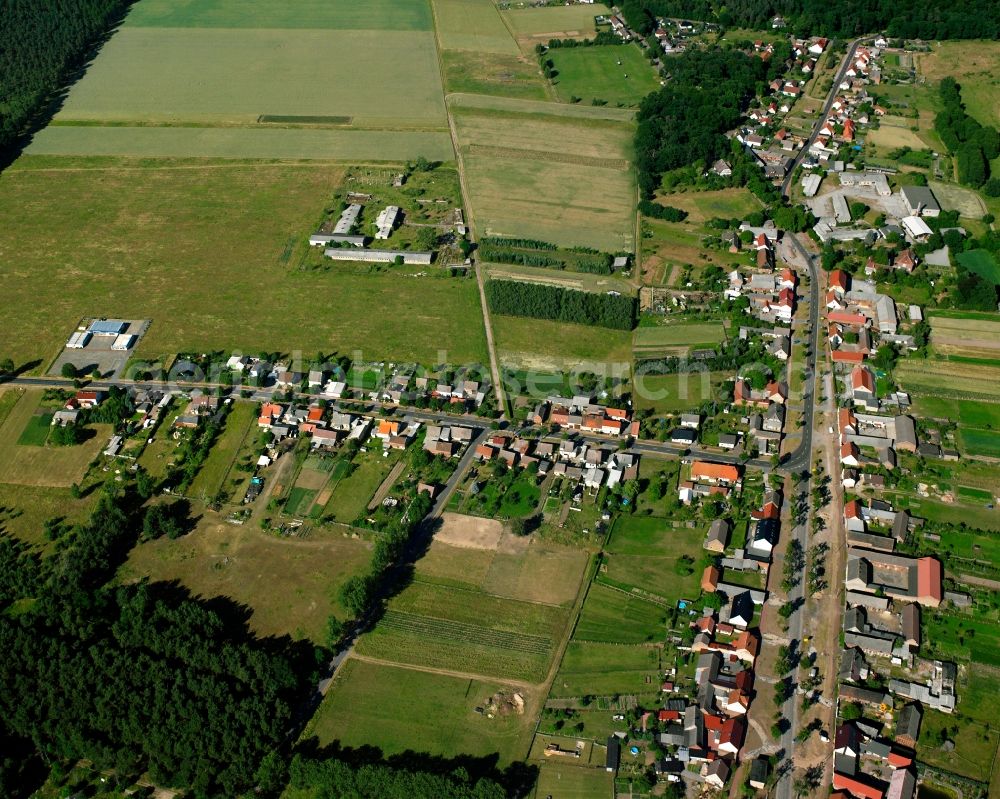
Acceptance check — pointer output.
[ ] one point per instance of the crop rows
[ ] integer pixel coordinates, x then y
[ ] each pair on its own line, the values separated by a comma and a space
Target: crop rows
546, 155
446, 630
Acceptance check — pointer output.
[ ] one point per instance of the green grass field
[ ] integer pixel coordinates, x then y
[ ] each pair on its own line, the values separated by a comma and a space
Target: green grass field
555, 178
572, 21
544, 344
398, 709
147, 74
674, 393
149, 232
242, 143
606, 669
36, 431
515, 76
26, 508
618, 74
982, 263
610, 616
351, 494
980, 442
330, 14
213, 472
674, 336
472, 25
975, 745
704, 205
441, 627
967, 413
572, 782
964, 638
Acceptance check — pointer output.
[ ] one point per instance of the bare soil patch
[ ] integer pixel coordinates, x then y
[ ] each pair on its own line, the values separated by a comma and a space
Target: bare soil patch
471, 532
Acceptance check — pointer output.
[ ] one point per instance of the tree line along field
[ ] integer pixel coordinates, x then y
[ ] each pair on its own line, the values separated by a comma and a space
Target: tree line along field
145, 245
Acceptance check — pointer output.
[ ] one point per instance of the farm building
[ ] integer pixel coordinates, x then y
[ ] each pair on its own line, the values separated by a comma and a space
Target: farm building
920, 201
915, 227
386, 221
79, 340
107, 327
380, 256
123, 342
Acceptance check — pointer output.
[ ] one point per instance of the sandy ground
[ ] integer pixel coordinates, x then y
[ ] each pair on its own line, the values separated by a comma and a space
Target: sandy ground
471, 532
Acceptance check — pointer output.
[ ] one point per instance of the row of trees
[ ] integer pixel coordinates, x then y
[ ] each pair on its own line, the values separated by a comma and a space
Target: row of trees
598, 263
974, 145
515, 298
909, 19
683, 123
40, 45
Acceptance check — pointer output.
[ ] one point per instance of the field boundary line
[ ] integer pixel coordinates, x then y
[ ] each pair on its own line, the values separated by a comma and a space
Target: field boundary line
464, 675
549, 156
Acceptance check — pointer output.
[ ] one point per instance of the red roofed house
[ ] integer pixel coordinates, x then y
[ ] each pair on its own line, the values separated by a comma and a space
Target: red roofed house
862, 381
929, 582
839, 280
852, 517
850, 454
862, 789
848, 319
88, 399
710, 579
709, 472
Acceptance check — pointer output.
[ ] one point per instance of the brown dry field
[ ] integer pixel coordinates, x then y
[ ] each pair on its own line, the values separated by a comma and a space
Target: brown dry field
289, 584
472, 532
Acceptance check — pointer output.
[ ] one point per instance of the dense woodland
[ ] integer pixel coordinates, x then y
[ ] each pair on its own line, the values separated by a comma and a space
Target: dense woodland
539, 301
41, 43
974, 145
683, 123
139, 677
910, 19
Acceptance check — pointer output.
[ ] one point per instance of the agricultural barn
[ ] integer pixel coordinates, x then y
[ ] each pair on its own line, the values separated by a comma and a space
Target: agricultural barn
920, 201
79, 340
107, 327
380, 256
123, 342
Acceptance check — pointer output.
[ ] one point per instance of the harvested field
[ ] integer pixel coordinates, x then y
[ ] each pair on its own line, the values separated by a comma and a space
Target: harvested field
471, 532
977, 336
217, 76
967, 202
892, 136
561, 346
551, 156
534, 25
363, 708
950, 379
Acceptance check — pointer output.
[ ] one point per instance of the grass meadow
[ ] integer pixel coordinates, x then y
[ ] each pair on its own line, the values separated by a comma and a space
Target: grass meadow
606, 669
240, 422
544, 344
614, 617
399, 709
289, 584
982, 263
975, 65
351, 494
328, 14
617, 74
674, 393
472, 25
562, 781
151, 232
538, 25
509, 75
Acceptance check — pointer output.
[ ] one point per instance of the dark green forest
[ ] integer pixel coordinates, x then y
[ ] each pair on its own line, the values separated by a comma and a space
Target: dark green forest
41, 43
539, 301
910, 19
683, 123
974, 145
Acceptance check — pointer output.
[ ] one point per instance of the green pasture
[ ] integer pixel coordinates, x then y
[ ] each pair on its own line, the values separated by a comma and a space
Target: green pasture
352, 494
389, 15
982, 263
242, 143
472, 25
974, 750
573, 782
210, 477
611, 616
674, 393
967, 413
980, 442
36, 431
147, 75
485, 72
960, 637
555, 21
544, 344
399, 709
606, 669
617, 74
151, 231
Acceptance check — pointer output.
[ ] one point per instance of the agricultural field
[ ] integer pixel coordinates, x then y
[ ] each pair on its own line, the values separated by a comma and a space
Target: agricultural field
605, 669
544, 344
363, 707
673, 393
289, 584
980, 442
24, 509
26, 460
534, 26
966, 638
474, 25
892, 136
704, 205
615, 617
147, 242
515, 76
446, 628
329, 14
350, 494
616, 74
543, 572
949, 379
555, 178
